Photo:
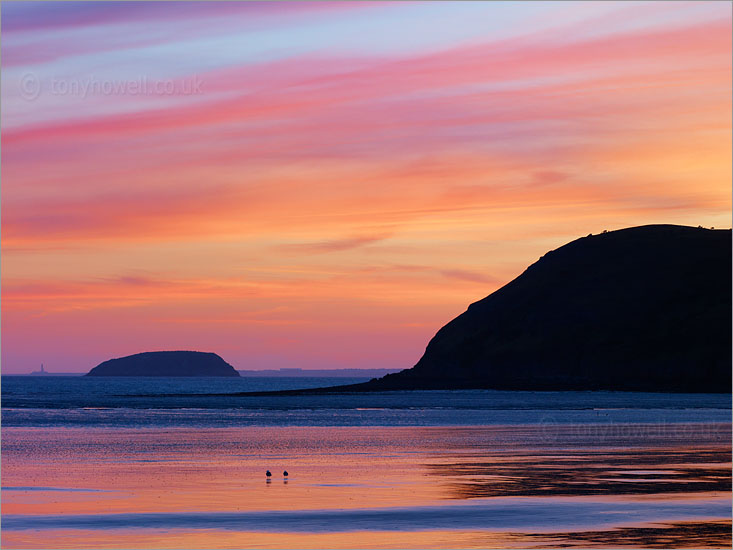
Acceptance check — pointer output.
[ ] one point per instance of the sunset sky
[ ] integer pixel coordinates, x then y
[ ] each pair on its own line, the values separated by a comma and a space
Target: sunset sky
324, 185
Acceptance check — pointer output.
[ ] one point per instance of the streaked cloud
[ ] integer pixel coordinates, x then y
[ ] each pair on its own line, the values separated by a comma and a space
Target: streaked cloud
325, 182
334, 245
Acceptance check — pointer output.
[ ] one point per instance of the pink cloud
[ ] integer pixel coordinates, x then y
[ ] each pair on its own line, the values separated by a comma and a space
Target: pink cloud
420, 171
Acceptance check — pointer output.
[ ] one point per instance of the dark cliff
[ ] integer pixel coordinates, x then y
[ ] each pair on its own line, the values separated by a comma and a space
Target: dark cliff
644, 308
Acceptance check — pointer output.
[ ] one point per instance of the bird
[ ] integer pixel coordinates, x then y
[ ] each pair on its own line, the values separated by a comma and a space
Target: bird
268, 473
285, 473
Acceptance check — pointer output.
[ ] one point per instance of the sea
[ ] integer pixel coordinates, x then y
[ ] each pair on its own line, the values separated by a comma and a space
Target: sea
93, 462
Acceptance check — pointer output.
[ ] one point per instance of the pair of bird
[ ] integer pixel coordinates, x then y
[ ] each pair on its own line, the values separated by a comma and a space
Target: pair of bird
269, 474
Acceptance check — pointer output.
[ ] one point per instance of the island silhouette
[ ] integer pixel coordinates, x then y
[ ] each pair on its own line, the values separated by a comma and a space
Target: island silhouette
165, 363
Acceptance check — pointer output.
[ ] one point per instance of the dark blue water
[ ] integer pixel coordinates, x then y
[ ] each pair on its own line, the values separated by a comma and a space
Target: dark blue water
504, 514
60, 392
170, 402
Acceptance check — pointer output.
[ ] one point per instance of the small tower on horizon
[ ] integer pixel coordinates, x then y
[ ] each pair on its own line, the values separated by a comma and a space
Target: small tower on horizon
42, 371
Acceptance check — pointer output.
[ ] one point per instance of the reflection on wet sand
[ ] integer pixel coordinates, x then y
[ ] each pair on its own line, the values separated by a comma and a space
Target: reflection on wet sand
712, 534
381, 487
588, 472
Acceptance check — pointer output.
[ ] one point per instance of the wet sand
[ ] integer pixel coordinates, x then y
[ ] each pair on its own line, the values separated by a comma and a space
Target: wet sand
382, 487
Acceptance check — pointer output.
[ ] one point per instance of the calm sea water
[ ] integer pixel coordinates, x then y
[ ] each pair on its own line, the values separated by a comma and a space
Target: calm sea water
145, 463
131, 402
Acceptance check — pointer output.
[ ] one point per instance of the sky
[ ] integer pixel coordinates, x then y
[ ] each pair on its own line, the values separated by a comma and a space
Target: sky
324, 185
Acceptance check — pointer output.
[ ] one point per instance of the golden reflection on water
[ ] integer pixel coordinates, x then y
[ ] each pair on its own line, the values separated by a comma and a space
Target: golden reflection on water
228, 539
712, 534
184, 470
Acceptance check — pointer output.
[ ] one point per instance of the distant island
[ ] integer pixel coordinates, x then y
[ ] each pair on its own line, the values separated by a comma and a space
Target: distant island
639, 309
166, 363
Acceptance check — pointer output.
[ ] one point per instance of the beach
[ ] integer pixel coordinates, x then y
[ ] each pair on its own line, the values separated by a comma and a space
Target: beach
366, 275
556, 475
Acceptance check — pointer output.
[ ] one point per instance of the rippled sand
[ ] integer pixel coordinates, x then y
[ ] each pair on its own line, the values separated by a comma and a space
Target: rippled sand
500, 486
